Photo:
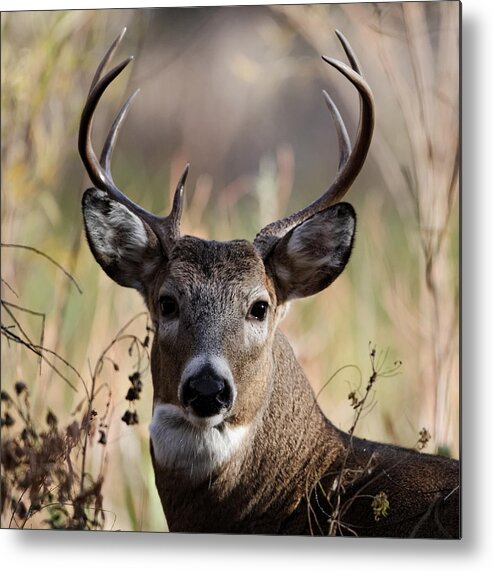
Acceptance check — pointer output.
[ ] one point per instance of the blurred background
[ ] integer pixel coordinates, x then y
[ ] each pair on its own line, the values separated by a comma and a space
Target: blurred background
236, 91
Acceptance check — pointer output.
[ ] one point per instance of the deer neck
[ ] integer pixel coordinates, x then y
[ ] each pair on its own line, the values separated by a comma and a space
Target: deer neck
284, 452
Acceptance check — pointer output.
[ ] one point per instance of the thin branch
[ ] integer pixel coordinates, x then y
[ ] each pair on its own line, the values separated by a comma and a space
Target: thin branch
37, 350
31, 312
40, 253
10, 287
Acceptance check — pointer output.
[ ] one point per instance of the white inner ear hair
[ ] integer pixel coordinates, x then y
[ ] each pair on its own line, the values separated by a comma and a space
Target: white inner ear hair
197, 452
116, 232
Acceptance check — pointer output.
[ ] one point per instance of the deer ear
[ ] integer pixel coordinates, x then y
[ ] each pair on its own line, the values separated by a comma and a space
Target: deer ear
123, 244
311, 256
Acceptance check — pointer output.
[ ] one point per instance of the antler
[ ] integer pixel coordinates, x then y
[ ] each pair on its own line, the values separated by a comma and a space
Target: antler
350, 162
166, 228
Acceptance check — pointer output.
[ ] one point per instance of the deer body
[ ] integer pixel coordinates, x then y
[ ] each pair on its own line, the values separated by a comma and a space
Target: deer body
238, 441
264, 486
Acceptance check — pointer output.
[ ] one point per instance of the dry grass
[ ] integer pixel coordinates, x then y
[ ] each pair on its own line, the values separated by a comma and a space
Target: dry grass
400, 288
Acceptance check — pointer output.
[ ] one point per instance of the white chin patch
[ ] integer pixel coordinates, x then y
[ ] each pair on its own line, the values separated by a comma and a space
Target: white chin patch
193, 445
204, 422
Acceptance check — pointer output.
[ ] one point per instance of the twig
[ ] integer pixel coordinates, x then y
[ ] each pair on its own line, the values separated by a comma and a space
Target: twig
37, 350
10, 287
40, 253
31, 312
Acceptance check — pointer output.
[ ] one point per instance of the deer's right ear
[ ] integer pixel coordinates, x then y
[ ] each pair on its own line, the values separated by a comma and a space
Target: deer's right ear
122, 243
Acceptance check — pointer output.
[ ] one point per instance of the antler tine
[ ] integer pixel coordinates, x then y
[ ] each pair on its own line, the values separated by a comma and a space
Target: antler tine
166, 228
350, 162
342, 135
173, 220
107, 58
353, 60
109, 144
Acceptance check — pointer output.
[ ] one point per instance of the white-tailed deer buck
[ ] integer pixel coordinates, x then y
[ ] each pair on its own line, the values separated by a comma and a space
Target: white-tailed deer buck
238, 441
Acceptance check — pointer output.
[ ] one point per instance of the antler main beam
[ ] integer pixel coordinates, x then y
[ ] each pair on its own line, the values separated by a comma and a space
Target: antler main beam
166, 228
350, 162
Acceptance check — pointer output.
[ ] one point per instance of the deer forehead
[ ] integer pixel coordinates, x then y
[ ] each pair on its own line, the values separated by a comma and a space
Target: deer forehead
215, 271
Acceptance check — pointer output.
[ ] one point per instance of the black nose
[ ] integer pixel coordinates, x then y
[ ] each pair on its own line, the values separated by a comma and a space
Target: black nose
207, 393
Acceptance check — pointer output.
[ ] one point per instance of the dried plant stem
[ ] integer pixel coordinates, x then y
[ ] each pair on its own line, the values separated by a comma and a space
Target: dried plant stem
38, 350
42, 254
119, 337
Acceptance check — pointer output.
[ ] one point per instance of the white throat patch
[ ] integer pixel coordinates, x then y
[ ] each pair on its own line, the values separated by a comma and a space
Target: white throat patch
197, 451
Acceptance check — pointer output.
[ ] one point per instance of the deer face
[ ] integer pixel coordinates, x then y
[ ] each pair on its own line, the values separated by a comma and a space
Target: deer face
215, 305
214, 310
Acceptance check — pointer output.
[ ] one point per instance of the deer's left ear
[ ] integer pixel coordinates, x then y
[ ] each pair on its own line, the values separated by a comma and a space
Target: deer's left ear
311, 256
122, 243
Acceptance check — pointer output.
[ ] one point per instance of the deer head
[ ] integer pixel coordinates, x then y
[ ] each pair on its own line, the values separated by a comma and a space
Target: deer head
215, 306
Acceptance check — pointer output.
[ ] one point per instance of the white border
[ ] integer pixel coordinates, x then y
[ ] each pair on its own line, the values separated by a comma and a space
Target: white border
102, 4
47, 550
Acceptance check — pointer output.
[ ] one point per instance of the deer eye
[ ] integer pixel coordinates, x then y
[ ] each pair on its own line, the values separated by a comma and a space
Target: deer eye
258, 310
168, 306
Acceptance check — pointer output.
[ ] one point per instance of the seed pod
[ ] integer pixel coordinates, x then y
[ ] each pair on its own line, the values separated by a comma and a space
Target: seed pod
7, 420
132, 394
5, 396
51, 420
20, 387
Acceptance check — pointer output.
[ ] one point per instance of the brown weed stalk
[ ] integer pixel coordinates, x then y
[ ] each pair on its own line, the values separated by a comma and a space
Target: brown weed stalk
46, 481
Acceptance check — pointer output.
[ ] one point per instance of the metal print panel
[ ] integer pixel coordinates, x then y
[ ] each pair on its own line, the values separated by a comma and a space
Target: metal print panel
279, 184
